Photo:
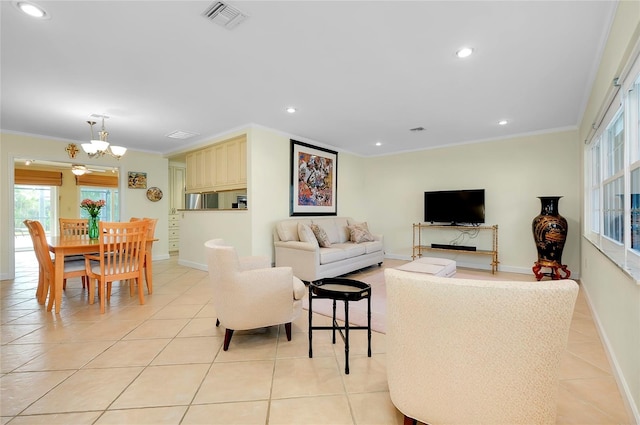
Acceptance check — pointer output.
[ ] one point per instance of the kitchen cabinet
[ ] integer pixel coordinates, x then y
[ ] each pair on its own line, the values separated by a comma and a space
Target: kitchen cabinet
174, 232
219, 167
176, 188
177, 175
199, 174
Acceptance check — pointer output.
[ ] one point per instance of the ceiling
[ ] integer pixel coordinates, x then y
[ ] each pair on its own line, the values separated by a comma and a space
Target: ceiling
358, 72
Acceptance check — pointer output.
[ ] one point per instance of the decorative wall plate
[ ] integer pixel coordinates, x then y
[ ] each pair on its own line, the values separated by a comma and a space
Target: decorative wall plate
154, 194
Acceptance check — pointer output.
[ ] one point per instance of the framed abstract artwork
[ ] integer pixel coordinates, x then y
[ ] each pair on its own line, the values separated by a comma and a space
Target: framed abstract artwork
314, 180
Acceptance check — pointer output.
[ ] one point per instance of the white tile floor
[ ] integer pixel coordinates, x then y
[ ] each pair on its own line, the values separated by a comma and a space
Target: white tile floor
162, 363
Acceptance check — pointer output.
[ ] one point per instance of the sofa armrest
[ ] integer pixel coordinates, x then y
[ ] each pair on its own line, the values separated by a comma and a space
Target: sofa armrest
303, 257
304, 246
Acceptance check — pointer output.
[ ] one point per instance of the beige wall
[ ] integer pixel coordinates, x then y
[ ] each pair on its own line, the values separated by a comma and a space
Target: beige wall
513, 172
133, 201
613, 295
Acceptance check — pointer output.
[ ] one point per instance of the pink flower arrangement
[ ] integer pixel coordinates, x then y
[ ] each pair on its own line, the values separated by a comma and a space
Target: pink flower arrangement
92, 207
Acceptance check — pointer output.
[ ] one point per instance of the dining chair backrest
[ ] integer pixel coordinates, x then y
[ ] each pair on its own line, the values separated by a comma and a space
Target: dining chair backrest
122, 247
47, 273
73, 226
40, 245
151, 230
121, 257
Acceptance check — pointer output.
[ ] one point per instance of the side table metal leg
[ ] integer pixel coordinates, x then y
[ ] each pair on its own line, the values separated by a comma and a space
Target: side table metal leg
369, 324
346, 337
310, 324
333, 324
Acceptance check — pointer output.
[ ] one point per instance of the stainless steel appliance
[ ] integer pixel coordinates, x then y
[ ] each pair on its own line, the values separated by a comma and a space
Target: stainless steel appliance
201, 201
193, 201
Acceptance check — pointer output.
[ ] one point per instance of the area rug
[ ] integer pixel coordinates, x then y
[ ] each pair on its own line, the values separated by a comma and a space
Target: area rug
358, 309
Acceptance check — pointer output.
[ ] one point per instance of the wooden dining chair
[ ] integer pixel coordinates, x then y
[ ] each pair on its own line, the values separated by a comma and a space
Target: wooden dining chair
122, 251
46, 281
74, 227
148, 271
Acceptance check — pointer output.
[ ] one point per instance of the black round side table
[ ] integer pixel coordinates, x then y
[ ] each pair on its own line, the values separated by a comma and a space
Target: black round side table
346, 290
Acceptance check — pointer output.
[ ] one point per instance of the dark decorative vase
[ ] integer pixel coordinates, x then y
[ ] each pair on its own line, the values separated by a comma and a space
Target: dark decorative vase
94, 229
550, 233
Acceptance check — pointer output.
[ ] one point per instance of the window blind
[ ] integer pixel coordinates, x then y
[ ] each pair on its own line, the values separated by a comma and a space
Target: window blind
37, 177
97, 180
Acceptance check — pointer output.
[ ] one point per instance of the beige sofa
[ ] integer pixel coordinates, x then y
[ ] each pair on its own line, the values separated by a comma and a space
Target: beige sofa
310, 262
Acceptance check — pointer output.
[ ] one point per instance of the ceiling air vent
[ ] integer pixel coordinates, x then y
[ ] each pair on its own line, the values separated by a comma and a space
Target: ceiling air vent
224, 15
179, 134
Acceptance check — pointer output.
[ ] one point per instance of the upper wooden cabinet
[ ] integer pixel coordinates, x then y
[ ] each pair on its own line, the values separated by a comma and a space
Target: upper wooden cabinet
222, 166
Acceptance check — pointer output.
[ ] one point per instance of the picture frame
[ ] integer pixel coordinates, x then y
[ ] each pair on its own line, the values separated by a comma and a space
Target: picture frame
314, 180
137, 180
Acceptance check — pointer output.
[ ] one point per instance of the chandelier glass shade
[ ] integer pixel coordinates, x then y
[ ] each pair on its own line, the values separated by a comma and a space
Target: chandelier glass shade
99, 147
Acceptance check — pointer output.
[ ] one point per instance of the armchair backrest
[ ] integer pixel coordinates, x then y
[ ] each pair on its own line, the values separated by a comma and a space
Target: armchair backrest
247, 299
473, 351
222, 261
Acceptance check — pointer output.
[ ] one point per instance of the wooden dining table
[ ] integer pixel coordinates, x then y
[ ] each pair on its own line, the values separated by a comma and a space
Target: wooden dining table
62, 246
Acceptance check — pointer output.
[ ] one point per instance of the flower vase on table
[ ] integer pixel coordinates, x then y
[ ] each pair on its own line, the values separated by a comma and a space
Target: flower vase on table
93, 208
94, 228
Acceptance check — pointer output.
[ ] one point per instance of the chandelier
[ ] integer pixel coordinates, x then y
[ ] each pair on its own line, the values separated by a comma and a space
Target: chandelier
100, 147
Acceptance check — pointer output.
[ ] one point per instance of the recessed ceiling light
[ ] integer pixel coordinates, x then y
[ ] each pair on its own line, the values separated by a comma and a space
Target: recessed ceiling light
464, 52
291, 110
503, 122
378, 143
32, 10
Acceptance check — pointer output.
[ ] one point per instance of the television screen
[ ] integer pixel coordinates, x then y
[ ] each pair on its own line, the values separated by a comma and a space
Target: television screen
454, 206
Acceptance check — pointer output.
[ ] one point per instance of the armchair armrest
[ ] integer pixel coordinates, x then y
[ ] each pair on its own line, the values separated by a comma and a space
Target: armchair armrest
254, 262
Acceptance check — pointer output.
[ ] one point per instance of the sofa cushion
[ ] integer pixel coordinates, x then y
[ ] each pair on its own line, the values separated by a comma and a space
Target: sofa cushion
359, 232
351, 249
329, 227
287, 230
306, 234
330, 255
321, 236
373, 246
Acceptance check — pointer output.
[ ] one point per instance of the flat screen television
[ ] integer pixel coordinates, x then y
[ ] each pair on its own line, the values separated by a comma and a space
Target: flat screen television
454, 206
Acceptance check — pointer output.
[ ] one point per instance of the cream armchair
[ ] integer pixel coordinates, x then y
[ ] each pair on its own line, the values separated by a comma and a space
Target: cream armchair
249, 293
471, 351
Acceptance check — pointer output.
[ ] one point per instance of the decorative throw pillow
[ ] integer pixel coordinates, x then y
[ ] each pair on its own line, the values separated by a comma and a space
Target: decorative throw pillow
321, 236
359, 232
306, 234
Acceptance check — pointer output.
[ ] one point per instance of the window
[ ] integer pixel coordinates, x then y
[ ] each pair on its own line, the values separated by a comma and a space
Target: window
111, 210
612, 166
33, 202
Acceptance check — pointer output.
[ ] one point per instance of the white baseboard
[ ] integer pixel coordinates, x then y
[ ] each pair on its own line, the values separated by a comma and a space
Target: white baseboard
627, 397
193, 265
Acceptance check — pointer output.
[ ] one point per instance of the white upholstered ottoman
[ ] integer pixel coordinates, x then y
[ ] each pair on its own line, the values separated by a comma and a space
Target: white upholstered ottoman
431, 265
